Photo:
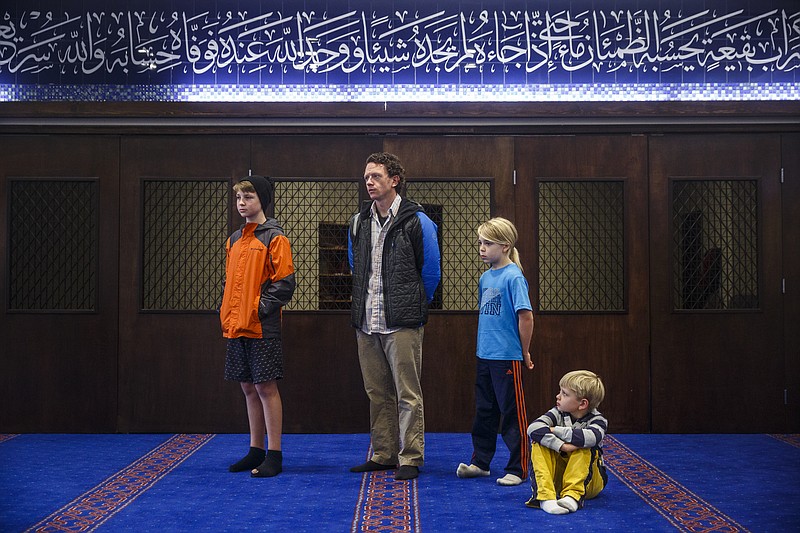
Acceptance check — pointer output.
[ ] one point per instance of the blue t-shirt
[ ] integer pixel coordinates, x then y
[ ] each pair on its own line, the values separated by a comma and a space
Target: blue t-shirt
501, 293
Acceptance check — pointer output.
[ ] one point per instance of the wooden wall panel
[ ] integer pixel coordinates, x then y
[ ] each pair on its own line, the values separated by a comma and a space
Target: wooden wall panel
58, 370
717, 371
171, 363
322, 390
320, 347
448, 376
124, 370
790, 208
615, 345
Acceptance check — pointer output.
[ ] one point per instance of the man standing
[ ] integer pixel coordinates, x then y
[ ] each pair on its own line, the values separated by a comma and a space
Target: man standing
394, 257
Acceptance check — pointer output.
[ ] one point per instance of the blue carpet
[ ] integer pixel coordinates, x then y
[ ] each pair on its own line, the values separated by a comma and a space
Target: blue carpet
754, 479
40, 473
181, 483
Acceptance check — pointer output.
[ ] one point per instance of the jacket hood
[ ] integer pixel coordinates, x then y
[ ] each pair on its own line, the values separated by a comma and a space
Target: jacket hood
269, 224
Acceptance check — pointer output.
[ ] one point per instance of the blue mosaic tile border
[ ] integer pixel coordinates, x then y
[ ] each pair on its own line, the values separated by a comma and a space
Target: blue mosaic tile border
405, 93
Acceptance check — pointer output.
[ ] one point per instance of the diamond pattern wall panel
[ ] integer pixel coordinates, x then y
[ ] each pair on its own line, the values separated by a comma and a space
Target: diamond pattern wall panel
185, 225
715, 244
581, 246
458, 207
53, 243
314, 214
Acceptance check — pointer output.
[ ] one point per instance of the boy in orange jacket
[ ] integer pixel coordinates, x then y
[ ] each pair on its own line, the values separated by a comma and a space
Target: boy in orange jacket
259, 281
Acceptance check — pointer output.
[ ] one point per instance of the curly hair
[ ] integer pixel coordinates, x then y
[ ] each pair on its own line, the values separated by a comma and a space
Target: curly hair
393, 167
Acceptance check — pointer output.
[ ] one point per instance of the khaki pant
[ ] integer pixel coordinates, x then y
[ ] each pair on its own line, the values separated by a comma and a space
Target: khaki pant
391, 365
579, 474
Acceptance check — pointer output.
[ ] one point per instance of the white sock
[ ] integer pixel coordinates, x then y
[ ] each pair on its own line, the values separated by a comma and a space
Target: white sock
569, 503
552, 507
509, 480
470, 471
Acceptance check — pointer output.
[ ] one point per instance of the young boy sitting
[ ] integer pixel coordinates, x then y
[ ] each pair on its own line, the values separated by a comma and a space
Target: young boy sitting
566, 451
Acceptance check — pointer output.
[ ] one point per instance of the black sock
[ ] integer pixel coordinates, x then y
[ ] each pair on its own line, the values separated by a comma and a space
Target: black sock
272, 465
253, 458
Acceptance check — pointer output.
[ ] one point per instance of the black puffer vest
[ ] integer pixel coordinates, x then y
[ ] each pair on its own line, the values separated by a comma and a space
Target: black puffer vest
404, 294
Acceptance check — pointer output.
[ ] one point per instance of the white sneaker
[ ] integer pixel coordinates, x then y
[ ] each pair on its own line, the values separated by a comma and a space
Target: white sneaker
509, 480
471, 471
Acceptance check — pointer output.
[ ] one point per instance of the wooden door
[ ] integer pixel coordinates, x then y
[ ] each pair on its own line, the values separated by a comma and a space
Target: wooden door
717, 318
322, 391
454, 178
790, 208
581, 210
462, 171
176, 207
58, 240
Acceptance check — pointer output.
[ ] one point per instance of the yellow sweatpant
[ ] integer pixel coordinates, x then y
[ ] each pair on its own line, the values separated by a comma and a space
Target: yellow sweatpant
579, 474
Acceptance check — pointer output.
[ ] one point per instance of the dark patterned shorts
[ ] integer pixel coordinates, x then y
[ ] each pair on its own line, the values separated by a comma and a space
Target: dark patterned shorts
254, 360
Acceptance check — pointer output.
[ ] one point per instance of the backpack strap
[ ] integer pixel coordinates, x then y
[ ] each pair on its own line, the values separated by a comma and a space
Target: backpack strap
354, 223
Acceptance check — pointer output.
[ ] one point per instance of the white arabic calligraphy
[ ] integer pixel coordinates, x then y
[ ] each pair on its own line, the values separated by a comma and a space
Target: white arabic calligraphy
497, 44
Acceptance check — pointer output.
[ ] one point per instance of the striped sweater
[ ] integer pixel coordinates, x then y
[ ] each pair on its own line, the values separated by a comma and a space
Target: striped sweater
586, 432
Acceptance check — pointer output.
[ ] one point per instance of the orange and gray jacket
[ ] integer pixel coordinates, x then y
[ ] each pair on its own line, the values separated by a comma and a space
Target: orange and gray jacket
259, 280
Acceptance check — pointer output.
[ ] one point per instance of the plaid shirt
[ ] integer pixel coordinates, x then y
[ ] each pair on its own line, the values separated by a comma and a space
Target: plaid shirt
375, 318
